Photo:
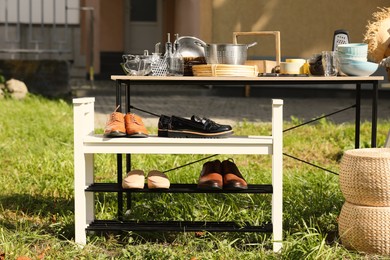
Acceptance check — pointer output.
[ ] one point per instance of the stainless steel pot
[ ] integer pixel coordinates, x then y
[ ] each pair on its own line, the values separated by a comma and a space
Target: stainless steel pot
235, 54
193, 54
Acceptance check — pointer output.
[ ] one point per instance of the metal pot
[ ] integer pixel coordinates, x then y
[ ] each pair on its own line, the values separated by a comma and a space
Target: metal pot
235, 54
193, 54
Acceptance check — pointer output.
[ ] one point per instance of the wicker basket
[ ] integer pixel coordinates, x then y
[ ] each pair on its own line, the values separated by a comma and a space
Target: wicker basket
365, 229
365, 176
225, 70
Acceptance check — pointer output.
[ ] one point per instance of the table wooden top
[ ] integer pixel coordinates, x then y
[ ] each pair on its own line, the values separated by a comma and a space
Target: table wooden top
340, 79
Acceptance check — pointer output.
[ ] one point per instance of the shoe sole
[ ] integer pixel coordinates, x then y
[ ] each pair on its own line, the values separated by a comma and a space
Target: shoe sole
209, 187
235, 187
115, 134
192, 134
162, 133
158, 186
137, 135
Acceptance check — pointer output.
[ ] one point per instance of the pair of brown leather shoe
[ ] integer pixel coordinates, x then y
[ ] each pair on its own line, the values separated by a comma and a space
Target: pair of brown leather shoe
218, 175
120, 125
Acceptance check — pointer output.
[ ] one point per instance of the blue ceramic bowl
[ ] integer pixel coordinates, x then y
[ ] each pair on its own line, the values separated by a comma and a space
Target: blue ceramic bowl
347, 57
358, 68
358, 49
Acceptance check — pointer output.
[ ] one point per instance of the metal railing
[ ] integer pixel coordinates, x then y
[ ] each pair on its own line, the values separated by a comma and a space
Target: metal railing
35, 29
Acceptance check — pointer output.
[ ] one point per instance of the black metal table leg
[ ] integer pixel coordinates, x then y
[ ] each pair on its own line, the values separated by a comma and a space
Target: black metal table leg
127, 104
118, 99
128, 156
374, 118
357, 115
119, 156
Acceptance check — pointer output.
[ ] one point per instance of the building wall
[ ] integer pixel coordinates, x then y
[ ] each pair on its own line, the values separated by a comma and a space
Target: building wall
39, 12
38, 29
90, 34
112, 29
194, 18
306, 26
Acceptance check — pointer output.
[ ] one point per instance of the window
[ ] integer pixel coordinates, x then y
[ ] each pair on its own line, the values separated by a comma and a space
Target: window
143, 10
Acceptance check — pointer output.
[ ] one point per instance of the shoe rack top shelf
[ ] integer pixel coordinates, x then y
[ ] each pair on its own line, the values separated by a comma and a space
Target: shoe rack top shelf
97, 143
153, 145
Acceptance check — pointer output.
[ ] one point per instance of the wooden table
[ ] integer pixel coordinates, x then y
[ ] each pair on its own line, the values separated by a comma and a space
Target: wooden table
373, 81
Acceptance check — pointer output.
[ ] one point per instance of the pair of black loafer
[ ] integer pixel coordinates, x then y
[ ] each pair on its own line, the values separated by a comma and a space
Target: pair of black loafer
195, 127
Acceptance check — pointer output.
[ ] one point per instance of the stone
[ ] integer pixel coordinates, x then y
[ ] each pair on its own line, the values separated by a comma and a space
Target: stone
16, 88
18, 95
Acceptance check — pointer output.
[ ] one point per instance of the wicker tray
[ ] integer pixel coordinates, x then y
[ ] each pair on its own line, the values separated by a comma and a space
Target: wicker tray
365, 229
365, 176
225, 70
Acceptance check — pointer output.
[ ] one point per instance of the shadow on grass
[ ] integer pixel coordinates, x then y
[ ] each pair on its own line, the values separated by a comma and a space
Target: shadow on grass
54, 216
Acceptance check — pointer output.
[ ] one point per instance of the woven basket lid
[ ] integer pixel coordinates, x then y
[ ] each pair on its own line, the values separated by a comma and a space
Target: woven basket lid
365, 176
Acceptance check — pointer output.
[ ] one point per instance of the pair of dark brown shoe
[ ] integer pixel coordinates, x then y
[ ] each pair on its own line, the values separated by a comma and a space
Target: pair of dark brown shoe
218, 175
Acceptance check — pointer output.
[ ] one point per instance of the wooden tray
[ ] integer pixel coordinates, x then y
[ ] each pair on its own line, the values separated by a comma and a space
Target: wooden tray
264, 66
227, 70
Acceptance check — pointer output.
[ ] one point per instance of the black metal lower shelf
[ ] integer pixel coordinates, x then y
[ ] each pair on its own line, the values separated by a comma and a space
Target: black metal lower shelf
180, 226
178, 188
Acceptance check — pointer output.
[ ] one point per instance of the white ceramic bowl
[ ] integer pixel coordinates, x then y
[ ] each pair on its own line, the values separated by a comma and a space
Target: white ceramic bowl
358, 68
290, 68
347, 57
301, 61
357, 49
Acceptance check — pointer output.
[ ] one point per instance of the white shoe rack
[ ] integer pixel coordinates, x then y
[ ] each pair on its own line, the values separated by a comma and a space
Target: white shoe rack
87, 143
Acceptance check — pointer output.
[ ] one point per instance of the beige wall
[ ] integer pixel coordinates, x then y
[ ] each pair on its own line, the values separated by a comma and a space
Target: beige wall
306, 26
194, 18
112, 29
108, 29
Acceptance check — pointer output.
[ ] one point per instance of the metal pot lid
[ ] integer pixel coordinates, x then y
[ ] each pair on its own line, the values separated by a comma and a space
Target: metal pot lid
188, 47
232, 44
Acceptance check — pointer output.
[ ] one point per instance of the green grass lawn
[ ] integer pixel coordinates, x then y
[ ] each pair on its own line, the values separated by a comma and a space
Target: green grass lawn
36, 195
